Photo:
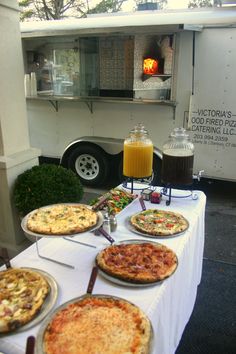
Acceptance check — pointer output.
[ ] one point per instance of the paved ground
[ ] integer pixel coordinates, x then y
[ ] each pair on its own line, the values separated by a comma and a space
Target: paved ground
212, 326
220, 236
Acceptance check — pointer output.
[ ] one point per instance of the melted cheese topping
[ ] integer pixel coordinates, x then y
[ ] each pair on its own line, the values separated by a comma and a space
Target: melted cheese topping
61, 219
98, 326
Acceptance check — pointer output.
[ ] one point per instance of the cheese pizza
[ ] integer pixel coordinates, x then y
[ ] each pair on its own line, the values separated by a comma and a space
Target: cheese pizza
22, 294
156, 222
98, 324
62, 219
141, 262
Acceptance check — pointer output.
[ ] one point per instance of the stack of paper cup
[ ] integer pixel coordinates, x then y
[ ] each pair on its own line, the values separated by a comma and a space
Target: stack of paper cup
33, 84
27, 85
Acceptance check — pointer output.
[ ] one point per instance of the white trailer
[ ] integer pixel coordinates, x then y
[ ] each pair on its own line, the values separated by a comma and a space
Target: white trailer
92, 89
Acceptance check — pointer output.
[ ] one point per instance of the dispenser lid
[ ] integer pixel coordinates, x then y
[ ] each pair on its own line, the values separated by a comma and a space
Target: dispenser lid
179, 133
139, 128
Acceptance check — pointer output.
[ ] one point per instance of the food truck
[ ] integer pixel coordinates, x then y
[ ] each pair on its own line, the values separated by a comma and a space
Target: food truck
98, 77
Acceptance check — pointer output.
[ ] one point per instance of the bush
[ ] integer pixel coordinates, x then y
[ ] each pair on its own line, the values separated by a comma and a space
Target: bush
45, 184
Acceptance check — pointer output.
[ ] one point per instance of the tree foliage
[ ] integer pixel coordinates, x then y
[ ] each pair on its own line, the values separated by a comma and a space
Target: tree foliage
107, 6
59, 9
161, 3
200, 3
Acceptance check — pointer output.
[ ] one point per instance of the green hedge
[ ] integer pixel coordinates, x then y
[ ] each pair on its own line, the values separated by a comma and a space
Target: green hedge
45, 184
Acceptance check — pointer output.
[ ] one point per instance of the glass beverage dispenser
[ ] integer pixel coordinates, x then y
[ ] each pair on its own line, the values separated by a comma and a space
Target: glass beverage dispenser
177, 163
138, 153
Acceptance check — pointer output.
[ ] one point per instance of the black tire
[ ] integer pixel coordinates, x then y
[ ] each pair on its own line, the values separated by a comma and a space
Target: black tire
90, 163
121, 177
155, 180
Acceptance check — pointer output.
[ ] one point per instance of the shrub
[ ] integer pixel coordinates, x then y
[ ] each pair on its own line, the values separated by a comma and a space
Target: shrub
44, 185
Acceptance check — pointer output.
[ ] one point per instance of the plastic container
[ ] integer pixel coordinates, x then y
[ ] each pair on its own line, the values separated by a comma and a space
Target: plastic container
178, 155
138, 153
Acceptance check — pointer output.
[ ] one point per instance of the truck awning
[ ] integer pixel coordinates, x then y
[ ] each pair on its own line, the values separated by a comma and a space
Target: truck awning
133, 22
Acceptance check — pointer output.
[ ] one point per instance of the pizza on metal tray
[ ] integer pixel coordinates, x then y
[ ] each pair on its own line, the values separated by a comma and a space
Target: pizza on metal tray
96, 324
159, 222
62, 219
22, 294
138, 262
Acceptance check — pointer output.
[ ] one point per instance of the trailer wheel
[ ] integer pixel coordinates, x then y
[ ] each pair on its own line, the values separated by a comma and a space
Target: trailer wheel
90, 163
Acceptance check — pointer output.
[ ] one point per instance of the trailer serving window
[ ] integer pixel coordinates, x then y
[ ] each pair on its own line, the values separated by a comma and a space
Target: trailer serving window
102, 66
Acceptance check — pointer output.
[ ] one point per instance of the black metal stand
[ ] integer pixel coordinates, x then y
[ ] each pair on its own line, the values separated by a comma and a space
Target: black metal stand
169, 198
167, 191
131, 180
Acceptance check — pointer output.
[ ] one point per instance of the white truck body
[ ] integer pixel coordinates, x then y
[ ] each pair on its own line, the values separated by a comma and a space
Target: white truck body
202, 97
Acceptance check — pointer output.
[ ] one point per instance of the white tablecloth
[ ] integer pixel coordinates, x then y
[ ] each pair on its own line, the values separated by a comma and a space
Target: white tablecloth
168, 304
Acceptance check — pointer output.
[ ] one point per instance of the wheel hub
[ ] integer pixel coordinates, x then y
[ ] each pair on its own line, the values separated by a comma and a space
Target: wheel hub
87, 167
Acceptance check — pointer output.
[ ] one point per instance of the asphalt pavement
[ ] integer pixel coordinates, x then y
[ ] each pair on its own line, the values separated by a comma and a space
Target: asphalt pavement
212, 326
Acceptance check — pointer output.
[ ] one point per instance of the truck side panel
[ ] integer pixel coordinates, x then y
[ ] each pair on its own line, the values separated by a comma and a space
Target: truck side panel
52, 131
213, 113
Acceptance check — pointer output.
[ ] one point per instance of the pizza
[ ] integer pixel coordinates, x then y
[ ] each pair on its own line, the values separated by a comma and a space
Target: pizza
142, 262
22, 294
98, 324
159, 222
62, 219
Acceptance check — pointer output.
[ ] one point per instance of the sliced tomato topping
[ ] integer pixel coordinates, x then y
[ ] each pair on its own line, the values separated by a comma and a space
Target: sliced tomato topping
158, 221
169, 225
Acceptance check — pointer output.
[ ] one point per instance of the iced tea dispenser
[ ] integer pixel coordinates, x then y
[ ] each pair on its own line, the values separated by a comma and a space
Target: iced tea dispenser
138, 153
177, 163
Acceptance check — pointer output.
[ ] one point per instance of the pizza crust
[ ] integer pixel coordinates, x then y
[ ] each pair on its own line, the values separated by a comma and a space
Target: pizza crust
156, 222
23, 293
139, 263
98, 324
62, 219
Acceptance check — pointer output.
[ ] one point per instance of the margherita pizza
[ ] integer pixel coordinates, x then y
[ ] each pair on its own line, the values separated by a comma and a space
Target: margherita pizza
22, 294
142, 262
156, 222
62, 219
98, 324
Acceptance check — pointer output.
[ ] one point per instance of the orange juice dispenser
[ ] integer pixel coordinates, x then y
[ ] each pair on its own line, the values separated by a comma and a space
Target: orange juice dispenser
138, 154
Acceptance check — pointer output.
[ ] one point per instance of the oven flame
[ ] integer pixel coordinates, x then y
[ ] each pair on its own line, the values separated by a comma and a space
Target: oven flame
150, 66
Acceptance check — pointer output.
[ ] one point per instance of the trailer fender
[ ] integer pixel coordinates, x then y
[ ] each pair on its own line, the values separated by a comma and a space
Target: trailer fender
90, 158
